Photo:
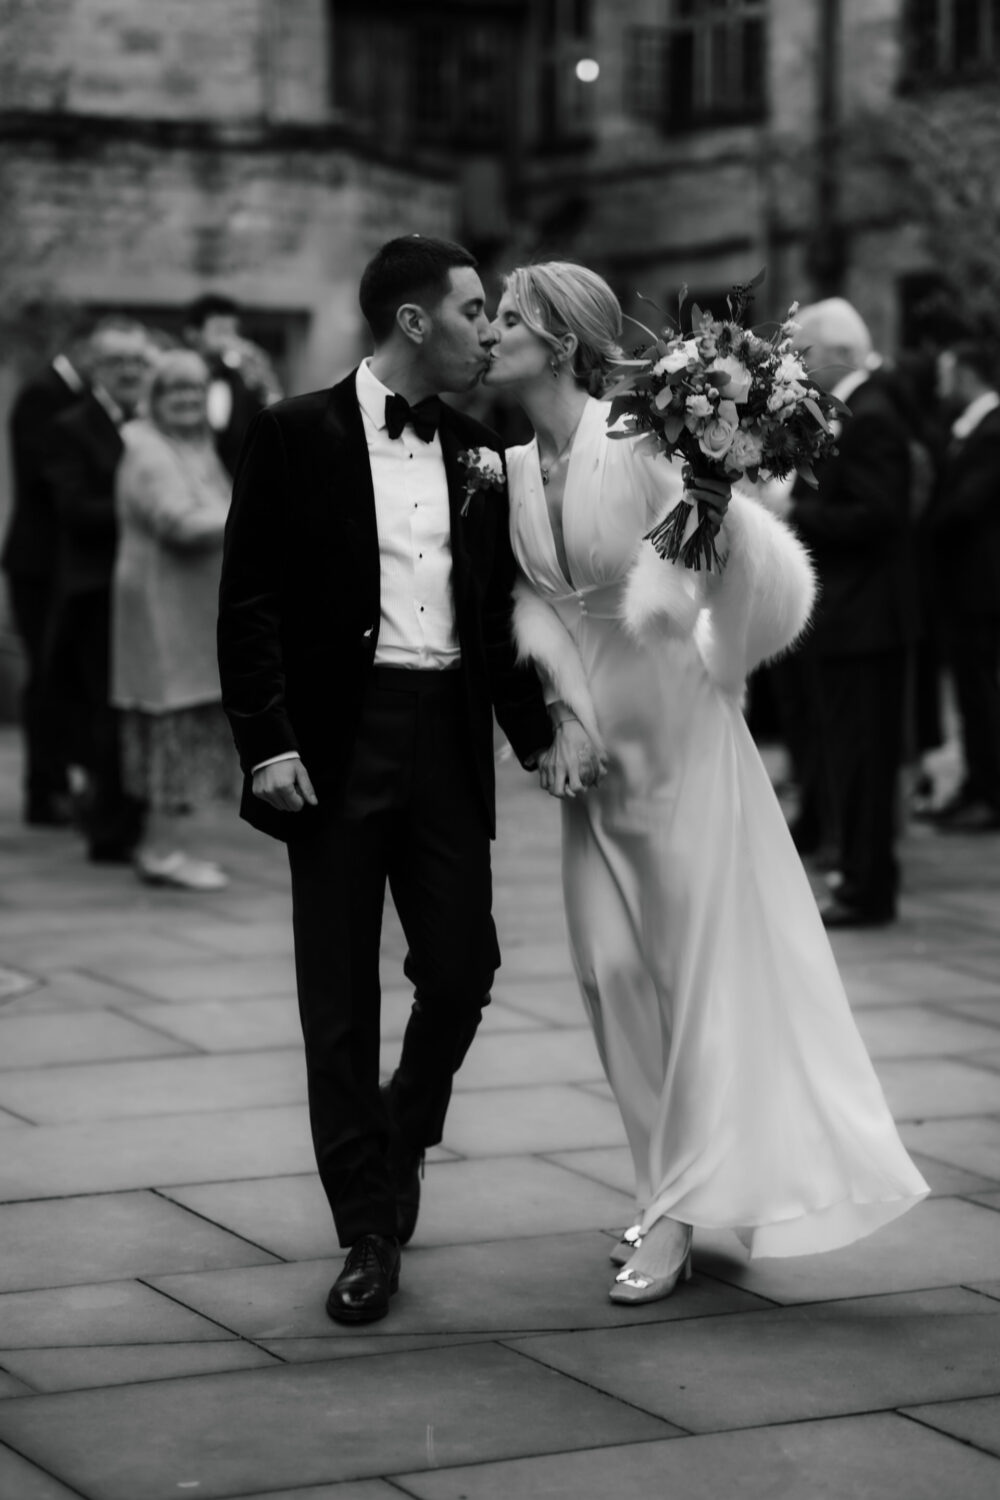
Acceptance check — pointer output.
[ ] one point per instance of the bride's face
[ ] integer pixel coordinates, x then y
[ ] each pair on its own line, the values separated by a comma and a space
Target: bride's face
519, 356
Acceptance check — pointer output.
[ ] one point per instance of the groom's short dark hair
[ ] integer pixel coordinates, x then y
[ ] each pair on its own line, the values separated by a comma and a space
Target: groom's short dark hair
412, 268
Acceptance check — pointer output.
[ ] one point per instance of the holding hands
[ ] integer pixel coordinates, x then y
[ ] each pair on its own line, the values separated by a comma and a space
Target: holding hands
572, 762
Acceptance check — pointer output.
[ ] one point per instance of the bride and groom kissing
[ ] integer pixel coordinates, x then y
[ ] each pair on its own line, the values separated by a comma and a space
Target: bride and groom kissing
380, 601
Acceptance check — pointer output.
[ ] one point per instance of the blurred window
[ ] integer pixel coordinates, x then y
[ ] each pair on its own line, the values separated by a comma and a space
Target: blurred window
950, 40
565, 102
704, 65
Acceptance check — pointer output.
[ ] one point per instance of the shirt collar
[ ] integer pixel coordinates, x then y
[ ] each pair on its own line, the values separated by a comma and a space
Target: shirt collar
110, 405
68, 375
974, 414
845, 388
371, 394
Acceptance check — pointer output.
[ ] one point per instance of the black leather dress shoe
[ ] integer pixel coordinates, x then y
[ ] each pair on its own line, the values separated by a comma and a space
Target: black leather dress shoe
361, 1292
406, 1167
840, 914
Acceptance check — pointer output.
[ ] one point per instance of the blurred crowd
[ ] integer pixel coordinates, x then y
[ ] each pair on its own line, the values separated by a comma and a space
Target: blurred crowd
903, 525
122, 451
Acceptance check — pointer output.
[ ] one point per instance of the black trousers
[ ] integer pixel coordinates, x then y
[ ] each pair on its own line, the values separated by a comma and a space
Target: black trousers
973, 644
864, 703
45, 721
412, 816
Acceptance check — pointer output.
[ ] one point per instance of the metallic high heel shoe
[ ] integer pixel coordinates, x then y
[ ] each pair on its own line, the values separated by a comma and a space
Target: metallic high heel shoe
626, 1246
633, 1285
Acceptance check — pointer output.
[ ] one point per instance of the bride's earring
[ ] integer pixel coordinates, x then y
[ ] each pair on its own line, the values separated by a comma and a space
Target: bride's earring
555, 364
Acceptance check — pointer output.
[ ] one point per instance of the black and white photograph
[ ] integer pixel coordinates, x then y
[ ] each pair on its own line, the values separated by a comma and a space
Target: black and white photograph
499, 749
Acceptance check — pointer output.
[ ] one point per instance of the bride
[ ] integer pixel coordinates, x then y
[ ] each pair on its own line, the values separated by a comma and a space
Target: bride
747, 1095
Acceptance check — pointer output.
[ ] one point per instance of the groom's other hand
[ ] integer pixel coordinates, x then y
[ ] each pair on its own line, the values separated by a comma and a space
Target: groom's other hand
284, 784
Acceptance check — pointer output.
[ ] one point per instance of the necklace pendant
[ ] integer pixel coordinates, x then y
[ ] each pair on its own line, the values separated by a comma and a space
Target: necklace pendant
545, 475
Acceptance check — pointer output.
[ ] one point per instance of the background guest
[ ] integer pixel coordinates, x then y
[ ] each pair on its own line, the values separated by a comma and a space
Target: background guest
858, 526
85, 447
29, 560
963, 526
173, 497
241, 380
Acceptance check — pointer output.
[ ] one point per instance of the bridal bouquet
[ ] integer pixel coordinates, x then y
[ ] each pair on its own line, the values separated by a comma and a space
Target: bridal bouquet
732, 402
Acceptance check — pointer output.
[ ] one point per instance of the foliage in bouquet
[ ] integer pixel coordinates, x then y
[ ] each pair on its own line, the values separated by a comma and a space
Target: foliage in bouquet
732, 401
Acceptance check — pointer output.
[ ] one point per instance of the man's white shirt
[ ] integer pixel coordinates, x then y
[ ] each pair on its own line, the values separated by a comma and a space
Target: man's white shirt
417, 627
974, 414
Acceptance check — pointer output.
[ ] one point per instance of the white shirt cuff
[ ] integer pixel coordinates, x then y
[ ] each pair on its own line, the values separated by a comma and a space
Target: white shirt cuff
287, 755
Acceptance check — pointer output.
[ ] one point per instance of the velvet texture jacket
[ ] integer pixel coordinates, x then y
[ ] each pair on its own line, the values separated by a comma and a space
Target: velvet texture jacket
299, 609
962, 524
859, 529
32, 537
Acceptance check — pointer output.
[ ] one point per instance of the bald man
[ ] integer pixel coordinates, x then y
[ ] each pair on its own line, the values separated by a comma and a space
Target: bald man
858, 527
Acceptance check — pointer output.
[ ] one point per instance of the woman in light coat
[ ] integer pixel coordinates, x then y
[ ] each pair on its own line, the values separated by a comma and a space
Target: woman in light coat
172, 500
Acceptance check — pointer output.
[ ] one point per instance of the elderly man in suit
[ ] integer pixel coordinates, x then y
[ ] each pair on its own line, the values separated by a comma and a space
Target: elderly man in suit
29, 560
858, 526
963, 528
84, 450
364, 638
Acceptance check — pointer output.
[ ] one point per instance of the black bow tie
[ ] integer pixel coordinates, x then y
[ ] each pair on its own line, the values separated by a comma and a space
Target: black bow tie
423, 417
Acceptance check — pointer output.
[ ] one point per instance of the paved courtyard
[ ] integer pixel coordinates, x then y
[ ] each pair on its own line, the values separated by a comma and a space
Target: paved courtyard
166, 1249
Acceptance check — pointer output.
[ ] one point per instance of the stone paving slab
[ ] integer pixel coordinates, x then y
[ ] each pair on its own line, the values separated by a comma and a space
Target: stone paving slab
927, 1089
874, 1457
10, 1386
160, 1086
462, 1202
22, 1480
558, 1282
909, 981
36, 1041
71, 1369
361, 1489
109, 1156
509, 1121
110, 1237
204, 978
976, 1422
940, 1242
353, 1420
850, 1357
109, 1312
922, 1030
972, 1144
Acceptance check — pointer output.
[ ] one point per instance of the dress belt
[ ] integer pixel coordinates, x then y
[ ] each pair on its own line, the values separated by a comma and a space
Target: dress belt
601, 600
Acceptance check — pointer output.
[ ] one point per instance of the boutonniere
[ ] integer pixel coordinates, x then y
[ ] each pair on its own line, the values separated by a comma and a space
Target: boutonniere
483, 471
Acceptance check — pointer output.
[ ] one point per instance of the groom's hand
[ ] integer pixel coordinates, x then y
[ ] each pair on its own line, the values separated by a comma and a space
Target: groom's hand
284, 785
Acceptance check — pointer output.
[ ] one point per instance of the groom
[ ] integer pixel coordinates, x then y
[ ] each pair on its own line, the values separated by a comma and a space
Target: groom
364, 638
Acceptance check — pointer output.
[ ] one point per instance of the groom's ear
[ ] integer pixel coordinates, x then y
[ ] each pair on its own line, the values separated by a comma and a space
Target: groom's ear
413, 321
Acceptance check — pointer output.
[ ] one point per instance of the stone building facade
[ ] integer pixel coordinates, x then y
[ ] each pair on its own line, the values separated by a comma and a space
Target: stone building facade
265, 147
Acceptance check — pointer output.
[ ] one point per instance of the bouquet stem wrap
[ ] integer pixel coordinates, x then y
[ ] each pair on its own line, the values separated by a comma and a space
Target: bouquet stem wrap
686, 534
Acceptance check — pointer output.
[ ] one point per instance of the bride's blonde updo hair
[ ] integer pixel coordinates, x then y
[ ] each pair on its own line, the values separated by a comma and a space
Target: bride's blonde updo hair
557, 298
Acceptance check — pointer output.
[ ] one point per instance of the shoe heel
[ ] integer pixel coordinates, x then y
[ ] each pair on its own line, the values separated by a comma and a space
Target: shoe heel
686, 1270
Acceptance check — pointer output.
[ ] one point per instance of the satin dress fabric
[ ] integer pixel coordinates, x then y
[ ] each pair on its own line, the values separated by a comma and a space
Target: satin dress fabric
748, 1097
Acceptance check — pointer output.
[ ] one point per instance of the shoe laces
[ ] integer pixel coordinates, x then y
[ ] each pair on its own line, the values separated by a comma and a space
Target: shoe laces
364, 1255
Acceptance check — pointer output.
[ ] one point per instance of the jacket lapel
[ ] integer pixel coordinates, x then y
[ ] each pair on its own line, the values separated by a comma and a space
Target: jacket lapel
345, 454
451, 447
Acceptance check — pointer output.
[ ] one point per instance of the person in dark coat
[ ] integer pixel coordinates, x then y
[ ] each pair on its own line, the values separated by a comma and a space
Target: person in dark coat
963, 529
364, 640
29, 561
241, 381
857, 525
84, 450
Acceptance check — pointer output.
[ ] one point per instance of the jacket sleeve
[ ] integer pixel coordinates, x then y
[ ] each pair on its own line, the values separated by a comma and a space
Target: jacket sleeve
152, 491
871, 503
974, 492
251, 663
515, 690
83, 509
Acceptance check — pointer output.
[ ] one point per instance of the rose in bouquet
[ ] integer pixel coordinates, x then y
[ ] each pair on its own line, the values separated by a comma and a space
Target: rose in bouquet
730, 401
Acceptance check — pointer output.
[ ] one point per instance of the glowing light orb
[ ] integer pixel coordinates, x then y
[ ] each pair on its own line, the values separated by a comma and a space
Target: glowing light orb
588, 70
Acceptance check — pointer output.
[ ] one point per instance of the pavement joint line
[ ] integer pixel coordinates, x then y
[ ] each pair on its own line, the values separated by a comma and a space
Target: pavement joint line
206, 1219
609, 1395
239, 1337
16, 1116
909, 1415
66, 1483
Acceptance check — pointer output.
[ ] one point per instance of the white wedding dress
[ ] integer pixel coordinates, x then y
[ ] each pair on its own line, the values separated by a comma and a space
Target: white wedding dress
748, 1098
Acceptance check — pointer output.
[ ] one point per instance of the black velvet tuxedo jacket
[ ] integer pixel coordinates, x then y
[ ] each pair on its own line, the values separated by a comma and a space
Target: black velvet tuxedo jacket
299, 609
30, 546
85, 449
859, 529
963, 522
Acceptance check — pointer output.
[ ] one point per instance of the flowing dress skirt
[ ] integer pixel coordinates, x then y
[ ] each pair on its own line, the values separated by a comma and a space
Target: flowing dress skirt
748, 1097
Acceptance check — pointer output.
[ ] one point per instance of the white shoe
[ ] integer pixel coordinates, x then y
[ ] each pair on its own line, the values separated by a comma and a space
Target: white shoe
181, 872
653, 1272
627, 1245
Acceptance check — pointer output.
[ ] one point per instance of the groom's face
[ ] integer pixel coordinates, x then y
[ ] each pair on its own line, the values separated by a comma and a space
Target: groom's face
456, 348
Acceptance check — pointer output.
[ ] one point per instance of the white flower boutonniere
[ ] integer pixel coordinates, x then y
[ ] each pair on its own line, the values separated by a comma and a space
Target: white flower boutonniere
483, 471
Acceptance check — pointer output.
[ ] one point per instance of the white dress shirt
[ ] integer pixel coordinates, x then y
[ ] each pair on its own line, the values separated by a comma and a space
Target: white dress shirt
413, 518
414, 534
974, 414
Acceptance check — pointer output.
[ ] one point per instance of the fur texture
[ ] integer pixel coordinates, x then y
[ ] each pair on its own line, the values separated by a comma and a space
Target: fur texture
659, 594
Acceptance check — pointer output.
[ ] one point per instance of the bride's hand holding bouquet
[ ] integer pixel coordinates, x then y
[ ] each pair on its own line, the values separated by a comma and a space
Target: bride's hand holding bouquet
732, 403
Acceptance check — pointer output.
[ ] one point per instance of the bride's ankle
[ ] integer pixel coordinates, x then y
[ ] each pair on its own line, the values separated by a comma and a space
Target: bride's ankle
666, 1243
